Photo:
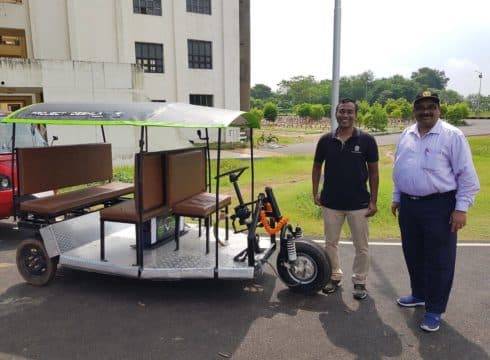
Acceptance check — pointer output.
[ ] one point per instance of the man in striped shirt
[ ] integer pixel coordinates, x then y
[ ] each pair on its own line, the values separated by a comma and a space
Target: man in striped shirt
435, 184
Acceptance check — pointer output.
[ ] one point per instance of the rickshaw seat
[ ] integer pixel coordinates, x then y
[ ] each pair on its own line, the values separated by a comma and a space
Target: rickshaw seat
186, 189
42, 169
153, 197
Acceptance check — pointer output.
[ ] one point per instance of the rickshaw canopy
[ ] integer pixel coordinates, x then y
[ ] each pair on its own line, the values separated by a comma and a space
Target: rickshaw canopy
132, 114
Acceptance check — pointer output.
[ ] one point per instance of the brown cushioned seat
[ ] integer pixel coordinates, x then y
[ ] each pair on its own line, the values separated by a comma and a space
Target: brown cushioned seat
201, 205
126, 212
65, 202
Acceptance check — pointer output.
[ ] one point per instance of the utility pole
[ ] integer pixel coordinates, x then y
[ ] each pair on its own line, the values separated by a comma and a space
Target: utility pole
480, 75
335, 63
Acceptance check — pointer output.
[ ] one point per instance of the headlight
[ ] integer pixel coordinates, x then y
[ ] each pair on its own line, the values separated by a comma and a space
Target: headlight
4, 182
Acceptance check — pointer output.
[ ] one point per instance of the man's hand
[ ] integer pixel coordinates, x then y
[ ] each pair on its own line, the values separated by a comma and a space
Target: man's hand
395, 207
316, 199
457, 220
371, 210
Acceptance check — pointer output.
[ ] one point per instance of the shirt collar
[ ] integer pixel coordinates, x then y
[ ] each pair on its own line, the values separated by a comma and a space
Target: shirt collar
355, 132
436, 129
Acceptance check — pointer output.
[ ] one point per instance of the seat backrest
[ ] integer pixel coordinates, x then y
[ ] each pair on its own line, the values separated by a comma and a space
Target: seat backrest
185, 174
55, 167
153, 181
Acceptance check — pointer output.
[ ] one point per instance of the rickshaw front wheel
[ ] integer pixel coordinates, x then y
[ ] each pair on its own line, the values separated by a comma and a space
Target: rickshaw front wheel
311, 270
34, 264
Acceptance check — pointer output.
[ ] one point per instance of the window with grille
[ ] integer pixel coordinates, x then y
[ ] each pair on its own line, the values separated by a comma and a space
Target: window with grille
149, 7
199, 6
199, 54
150, 57
199, 99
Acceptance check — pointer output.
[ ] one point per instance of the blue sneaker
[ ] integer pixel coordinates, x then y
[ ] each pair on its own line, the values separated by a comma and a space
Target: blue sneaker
431, 322
410, 301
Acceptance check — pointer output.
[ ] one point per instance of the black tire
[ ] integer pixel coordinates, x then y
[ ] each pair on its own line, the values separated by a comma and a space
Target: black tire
312, 270
34, 264
260, 141
273, 140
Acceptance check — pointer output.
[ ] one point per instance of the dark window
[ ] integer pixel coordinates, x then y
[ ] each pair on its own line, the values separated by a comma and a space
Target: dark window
149, 7
199, 6
204, 100
200, 54
150, 57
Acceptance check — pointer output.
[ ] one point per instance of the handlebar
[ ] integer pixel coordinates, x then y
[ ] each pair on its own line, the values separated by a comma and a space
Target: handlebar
239, 172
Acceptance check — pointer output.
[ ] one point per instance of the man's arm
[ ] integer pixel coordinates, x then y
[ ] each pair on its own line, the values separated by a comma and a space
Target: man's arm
466, 179
315, 180
373, 170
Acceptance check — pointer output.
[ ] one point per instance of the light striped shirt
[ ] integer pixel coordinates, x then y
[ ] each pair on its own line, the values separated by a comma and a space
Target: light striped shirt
438, 162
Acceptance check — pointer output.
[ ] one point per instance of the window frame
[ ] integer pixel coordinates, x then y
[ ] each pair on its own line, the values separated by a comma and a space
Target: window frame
156, 11
203, 58
203, 99
199, 6
147, 67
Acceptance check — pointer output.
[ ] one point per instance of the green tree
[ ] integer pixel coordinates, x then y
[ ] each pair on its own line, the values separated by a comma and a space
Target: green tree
317, 111
270, 111
443, 110
450, 97
300, 89
261, 91
430, 78
256, 103
405, 108
376, 119
390, 106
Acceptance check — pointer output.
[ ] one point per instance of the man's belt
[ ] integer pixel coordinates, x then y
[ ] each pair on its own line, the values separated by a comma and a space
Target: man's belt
430, 196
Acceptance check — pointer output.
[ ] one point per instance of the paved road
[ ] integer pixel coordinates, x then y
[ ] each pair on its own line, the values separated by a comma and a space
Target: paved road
90, 316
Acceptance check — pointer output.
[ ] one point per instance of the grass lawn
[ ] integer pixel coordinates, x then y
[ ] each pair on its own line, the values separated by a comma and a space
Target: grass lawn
290, 177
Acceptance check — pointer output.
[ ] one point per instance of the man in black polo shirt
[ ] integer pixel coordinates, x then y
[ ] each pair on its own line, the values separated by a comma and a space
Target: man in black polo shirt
351, 159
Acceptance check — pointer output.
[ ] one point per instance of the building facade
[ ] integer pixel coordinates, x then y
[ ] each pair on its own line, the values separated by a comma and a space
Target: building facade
120, 51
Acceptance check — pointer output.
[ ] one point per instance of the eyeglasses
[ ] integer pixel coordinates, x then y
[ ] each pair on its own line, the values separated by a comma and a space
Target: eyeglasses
426, 108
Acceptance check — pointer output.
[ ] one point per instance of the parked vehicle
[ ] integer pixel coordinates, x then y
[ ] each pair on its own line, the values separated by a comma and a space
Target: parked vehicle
25, 135
97, 229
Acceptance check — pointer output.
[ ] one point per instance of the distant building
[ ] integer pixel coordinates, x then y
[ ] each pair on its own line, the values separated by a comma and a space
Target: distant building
122, 51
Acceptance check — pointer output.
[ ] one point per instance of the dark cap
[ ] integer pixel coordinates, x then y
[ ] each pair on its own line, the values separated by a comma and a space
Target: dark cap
427, 95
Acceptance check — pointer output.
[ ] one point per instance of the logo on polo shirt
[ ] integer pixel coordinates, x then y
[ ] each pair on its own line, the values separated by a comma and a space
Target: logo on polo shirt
356, 150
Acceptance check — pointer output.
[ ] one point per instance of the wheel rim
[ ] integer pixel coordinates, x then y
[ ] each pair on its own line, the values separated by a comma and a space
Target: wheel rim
34, 261
304, 269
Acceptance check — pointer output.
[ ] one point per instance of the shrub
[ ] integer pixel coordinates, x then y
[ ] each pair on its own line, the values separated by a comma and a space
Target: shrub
376, 119
457, 113
303, 110
317, 112
327, 110
253, 117
270, 111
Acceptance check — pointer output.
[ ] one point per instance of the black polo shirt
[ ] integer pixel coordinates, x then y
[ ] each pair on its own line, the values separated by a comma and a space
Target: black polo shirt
346, 173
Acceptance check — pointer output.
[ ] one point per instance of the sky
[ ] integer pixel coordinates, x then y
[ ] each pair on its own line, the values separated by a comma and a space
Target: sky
389, 37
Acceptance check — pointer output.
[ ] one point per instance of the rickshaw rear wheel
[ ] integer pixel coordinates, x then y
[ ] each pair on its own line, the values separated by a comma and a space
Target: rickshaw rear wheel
311, 270
34, 264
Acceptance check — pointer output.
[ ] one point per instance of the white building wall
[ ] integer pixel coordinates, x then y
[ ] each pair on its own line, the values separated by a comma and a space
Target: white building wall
92, 43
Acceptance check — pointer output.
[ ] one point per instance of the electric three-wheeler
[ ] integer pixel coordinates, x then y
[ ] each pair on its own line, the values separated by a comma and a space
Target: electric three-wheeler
138, 230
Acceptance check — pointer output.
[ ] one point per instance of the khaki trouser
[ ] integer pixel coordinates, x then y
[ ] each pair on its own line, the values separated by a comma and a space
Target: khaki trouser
358, 224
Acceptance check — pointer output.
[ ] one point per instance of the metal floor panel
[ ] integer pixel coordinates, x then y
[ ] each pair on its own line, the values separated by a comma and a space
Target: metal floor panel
160, 262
